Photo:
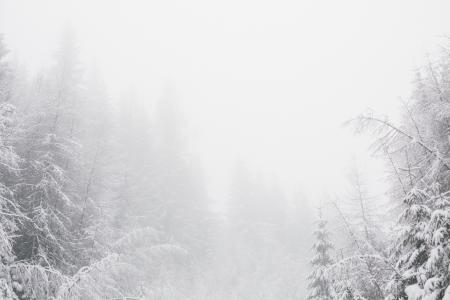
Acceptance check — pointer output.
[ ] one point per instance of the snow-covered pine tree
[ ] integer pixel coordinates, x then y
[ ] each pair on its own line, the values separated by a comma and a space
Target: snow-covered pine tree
417, 151
422, 248
11, 214
320, 284
47, 192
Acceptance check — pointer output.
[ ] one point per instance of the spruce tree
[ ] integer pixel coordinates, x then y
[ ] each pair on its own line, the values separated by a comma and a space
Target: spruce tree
320, 285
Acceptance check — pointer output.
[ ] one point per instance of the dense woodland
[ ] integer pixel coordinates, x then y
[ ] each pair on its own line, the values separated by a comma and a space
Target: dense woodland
101, 199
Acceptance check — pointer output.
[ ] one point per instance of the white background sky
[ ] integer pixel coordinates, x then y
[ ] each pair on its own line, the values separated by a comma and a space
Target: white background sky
267, 81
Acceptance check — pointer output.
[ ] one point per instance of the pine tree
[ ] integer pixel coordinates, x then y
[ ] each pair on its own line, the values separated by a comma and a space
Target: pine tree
320, 283
417, 152
422, 248
47, 193
11, 214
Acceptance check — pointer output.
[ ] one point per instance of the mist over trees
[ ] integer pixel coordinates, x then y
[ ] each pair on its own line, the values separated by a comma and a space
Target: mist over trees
101, 198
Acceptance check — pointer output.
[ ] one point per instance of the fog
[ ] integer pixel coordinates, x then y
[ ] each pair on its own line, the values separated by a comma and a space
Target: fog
268, 83
227, 117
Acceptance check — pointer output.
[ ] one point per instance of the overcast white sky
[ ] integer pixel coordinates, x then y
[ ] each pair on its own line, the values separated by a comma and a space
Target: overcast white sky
267, 81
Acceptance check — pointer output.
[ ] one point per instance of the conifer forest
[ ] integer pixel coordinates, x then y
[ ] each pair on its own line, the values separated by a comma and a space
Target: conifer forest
224, 150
